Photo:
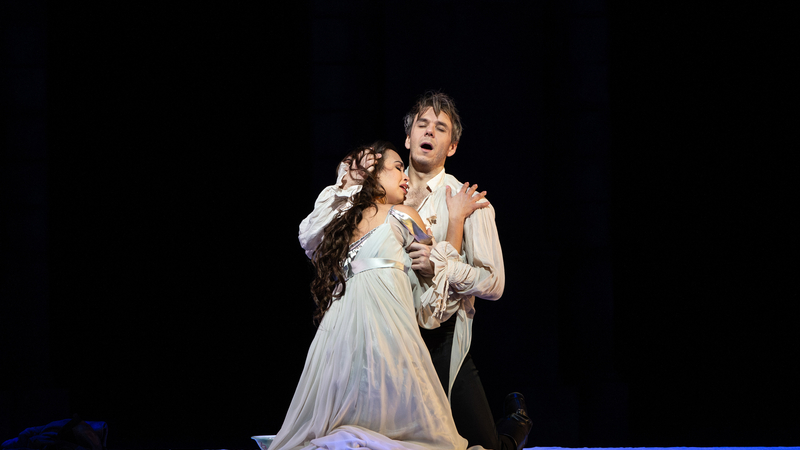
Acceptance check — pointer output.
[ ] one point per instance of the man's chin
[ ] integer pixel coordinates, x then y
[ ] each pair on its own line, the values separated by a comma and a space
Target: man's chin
422, 156
423, 162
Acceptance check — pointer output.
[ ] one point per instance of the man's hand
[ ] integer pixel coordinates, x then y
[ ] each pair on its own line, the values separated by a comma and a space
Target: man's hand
465, 202
355, 175
421, 258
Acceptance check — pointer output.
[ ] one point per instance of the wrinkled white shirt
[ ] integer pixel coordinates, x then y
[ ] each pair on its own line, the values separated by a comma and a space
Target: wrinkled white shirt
477, 272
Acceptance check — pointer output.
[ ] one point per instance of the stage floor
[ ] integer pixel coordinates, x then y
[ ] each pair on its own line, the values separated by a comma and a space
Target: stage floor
255, 447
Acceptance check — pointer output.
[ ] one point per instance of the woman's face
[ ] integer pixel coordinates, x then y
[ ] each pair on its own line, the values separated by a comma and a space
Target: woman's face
392, 178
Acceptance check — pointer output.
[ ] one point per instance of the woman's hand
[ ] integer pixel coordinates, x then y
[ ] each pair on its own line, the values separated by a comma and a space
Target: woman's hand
465, 202
355, 175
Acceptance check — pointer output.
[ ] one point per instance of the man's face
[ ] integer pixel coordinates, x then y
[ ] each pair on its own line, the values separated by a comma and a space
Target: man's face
429, 142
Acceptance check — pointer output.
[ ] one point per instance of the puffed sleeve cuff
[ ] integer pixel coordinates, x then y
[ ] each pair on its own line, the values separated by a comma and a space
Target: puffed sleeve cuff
331, 202
443, 256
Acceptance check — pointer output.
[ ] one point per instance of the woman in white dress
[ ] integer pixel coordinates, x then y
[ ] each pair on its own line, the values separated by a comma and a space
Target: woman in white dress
368, 379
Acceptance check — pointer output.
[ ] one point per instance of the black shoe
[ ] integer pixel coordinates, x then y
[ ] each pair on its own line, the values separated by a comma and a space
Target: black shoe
515, 403
516, 424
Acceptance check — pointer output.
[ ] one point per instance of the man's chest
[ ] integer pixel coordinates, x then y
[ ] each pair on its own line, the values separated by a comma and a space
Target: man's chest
415, 197
428, 208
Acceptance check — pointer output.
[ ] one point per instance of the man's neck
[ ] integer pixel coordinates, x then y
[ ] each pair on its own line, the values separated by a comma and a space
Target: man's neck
418, 178
418, 185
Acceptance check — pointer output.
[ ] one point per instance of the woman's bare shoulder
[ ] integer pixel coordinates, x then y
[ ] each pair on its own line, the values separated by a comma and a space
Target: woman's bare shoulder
406, 209
411, 212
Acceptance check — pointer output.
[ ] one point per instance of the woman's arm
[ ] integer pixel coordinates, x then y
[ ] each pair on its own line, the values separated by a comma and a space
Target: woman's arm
460, 206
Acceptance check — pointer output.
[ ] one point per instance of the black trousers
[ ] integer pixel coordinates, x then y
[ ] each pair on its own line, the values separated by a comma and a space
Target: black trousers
471, 410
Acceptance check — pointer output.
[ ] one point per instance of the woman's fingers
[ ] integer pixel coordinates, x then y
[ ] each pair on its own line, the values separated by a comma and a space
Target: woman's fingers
469, 190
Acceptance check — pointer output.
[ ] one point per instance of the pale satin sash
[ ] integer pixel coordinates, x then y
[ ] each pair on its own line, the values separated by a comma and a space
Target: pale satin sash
360, 265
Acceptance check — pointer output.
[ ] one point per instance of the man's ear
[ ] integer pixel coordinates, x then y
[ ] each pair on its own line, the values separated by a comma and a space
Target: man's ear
452, 150
408, 142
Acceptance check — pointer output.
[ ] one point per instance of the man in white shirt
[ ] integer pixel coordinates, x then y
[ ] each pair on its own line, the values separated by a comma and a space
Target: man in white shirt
433, 130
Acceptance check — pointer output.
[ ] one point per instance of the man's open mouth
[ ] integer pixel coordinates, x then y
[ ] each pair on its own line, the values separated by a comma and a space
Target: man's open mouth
426, 146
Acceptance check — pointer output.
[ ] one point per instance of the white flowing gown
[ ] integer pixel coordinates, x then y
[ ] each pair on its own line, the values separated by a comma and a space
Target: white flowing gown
368, 379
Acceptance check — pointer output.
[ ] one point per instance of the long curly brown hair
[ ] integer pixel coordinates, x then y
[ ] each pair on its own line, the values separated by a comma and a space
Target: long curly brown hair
337, 235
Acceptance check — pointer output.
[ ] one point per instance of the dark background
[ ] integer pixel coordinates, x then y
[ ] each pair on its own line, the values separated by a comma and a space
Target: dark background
157, 160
